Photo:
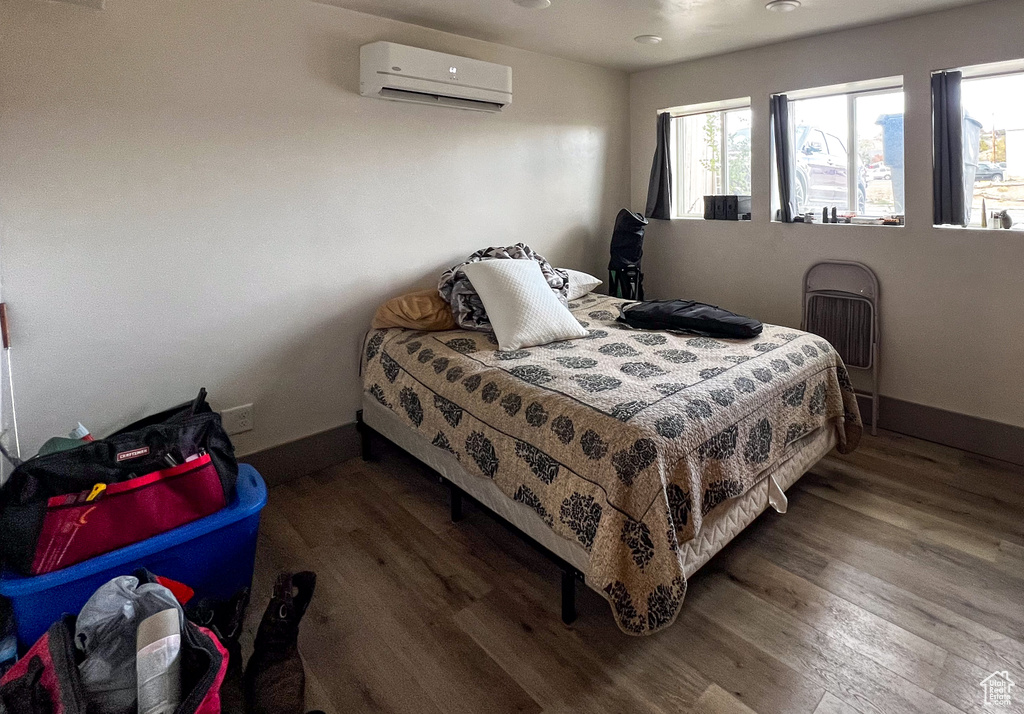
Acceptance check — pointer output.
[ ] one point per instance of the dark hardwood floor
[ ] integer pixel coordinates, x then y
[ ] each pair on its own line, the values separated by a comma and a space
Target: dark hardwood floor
894, 584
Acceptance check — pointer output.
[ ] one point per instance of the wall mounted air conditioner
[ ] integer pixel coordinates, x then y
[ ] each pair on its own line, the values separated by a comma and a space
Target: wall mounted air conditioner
410, 74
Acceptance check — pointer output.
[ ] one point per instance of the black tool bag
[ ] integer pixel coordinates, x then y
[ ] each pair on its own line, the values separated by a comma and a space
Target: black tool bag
689, 316
625, 279
143, 448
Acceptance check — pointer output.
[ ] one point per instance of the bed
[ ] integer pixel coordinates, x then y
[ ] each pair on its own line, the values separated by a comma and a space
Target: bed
632, 456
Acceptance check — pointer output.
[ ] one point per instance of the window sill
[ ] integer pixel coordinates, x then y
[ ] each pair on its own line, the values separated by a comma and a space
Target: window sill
843, 225
1017, 228
702, 219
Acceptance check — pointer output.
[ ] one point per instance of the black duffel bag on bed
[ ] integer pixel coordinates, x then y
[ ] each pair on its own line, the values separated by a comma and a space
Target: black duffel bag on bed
689, 316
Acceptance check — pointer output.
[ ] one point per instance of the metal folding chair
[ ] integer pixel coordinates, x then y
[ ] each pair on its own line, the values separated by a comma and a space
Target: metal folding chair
841, 305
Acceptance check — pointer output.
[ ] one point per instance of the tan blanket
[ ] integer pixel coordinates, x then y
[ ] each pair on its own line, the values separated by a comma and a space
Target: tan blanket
624, 441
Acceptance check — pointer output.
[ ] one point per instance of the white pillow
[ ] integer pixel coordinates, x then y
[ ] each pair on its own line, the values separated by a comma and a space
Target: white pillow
580, 283
520, 304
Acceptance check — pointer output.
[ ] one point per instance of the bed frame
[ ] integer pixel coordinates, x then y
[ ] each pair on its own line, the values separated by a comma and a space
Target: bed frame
570, 574
715, 534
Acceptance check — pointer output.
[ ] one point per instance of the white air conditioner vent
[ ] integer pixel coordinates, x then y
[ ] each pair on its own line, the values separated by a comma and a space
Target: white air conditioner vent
410, 74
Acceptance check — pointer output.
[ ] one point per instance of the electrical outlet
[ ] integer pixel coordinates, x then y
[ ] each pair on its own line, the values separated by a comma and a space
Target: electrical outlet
238, 419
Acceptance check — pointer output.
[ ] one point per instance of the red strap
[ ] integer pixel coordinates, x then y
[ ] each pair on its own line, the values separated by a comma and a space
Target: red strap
131, 484
157, 475
182, 592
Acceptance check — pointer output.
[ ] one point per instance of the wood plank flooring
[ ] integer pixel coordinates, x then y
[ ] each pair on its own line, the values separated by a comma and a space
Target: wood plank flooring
894, 584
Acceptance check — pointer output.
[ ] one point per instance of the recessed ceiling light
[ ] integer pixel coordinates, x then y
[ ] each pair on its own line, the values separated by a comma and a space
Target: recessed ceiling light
647, 39
782, 5
533, 4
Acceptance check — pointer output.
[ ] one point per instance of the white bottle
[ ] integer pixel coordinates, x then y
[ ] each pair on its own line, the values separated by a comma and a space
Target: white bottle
158, 663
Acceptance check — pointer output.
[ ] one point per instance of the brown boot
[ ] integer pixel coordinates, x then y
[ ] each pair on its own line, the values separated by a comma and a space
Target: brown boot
275, 682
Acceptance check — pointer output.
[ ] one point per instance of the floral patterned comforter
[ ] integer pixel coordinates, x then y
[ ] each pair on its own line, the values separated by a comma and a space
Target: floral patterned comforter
624, 441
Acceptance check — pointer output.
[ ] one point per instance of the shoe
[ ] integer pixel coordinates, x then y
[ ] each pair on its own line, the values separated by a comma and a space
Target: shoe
275, 681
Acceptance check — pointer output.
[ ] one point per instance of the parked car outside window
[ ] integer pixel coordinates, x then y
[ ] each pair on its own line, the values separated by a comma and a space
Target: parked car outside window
989, 172
879, 172
822, 166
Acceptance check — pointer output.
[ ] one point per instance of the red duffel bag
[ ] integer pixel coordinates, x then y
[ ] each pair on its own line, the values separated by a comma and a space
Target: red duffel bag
46, 679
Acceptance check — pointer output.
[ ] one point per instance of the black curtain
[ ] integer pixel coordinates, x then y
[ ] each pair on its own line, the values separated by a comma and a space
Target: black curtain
949, 204
659, 192
784, 165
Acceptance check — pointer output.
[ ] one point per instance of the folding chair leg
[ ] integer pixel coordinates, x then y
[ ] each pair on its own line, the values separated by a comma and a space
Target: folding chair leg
874, 390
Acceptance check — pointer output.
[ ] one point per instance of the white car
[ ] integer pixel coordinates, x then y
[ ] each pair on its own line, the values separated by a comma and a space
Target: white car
879, 172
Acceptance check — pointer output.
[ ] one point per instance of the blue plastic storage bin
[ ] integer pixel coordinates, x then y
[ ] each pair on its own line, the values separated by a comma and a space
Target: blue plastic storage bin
214, 556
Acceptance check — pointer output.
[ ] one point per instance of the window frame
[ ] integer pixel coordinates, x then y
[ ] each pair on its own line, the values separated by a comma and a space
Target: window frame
851, 91
971, 73
676, 139
850, 140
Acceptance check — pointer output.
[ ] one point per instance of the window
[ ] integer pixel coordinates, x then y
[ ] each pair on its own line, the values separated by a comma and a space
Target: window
848, 149
993, 106
711, 155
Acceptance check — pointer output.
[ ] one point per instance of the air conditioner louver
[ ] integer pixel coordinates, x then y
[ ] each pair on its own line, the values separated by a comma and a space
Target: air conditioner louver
404, 95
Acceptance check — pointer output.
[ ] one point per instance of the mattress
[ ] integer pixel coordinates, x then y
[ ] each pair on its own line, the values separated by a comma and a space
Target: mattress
633, 446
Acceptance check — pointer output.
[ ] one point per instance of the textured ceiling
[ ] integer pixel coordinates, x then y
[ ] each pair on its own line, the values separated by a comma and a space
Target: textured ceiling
601, 31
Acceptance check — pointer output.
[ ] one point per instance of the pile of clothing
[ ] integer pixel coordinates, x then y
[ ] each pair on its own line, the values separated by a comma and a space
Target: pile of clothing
140, 644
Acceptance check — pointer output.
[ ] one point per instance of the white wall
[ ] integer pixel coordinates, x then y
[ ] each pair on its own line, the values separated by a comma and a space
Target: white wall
953, 335
193, 193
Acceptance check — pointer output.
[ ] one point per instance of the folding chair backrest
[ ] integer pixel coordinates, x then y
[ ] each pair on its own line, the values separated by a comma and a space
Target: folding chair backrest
841, 305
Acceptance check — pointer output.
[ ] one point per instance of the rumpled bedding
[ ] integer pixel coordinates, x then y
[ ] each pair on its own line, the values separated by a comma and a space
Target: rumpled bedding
467, 307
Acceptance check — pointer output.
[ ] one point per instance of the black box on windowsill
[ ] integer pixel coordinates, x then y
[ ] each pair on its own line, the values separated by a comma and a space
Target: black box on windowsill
736, 206
726, 208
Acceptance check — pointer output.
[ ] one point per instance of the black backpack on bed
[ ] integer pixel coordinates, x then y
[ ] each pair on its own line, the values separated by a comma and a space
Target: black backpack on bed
689, 316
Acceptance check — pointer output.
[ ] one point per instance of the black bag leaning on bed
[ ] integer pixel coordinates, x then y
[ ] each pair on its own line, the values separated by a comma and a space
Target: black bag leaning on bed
624, 277
697, 318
